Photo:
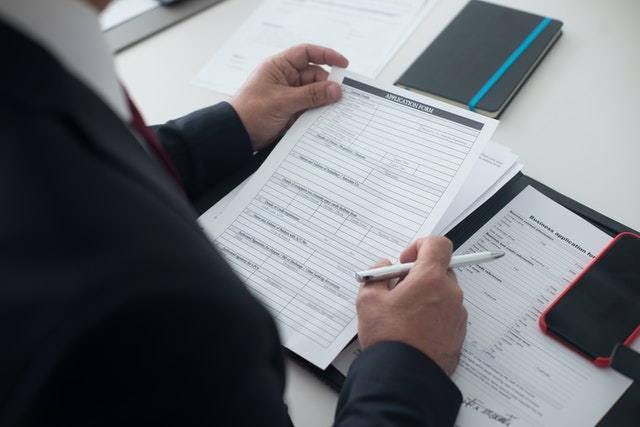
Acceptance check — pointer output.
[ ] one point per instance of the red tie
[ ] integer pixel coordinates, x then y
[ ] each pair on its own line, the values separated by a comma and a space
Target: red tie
138, 123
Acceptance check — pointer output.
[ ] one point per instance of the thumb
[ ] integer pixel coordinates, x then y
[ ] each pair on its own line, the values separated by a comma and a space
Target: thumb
376, 285
314, 95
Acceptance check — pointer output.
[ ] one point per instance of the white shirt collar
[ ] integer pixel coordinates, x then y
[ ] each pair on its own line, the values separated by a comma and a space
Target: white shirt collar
70, 31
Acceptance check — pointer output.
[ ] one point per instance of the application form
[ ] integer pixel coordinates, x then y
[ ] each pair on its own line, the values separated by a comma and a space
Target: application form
349, 183
494, 168
510, 373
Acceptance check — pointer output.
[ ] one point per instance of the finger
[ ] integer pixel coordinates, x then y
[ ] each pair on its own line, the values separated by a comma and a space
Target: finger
313, 73
376, 285
299, 56
312, 95
435, 250
428, 252
410, 253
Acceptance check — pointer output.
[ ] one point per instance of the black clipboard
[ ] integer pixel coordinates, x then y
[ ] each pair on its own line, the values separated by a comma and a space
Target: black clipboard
626, 411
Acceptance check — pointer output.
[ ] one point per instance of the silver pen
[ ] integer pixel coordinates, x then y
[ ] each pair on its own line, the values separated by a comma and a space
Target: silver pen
399, 270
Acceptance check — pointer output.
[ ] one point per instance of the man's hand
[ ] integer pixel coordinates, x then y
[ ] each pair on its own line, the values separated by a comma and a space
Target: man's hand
424, 310
282, 87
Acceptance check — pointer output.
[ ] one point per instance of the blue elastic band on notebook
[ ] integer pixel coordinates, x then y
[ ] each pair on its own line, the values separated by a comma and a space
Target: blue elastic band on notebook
516, 53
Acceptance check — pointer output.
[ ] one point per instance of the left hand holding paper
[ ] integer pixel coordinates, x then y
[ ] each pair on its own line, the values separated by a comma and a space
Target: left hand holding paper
284, 86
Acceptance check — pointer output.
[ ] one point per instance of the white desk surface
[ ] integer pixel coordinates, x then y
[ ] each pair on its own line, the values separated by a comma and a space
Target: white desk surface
573, 123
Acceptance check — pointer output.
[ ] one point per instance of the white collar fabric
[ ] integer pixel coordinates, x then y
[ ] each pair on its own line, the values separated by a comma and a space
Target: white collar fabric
70, 31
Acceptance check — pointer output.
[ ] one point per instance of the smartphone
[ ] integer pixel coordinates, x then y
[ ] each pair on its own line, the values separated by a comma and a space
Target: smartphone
601, 307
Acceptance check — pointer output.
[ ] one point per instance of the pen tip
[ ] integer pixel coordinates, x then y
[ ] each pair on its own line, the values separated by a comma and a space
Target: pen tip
498, 254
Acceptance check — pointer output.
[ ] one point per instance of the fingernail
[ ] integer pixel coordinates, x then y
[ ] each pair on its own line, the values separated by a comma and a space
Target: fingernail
333, 92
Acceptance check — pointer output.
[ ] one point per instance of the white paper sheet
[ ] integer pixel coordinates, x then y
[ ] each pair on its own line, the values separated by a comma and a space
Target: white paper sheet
367, 32
496, 165
483, 197
349, 183
510, 372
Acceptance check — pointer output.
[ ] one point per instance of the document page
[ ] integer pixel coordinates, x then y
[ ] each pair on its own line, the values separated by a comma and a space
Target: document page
510, 373
494, 168
349, 183
368, 32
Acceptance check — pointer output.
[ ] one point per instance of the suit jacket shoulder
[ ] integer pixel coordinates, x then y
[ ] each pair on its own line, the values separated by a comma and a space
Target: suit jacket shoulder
114, 305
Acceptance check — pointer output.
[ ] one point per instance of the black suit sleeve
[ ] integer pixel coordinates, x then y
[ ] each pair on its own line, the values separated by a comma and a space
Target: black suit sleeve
393, 384
206, 146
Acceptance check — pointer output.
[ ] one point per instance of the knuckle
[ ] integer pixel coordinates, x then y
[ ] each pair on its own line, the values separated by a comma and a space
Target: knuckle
465, 315
313, 98
365, 298
440, 277
441, 242
361, 302
458, 295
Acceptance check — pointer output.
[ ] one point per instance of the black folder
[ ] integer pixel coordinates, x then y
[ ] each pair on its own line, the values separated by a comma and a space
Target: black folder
629, 403
483, 57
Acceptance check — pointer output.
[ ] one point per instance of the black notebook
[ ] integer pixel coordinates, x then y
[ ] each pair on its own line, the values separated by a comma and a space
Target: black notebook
481, 59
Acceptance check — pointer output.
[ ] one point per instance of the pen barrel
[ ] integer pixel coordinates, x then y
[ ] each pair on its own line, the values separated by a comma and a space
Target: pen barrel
382, 273
474, 258
399, 270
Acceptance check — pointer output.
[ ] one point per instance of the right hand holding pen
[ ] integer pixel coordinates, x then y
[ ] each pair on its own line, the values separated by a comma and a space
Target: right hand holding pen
425, 310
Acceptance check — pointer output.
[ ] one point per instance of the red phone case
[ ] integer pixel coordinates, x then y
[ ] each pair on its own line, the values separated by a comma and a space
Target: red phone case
600, 361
